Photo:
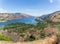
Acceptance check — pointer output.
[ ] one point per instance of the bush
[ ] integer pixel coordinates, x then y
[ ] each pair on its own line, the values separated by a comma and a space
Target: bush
5, 38
42, 34
30, 38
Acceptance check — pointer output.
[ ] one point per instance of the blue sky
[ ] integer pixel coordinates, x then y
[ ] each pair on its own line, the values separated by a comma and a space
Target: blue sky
31, 7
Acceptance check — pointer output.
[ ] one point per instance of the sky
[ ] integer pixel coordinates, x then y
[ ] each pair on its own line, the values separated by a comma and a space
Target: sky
31, 7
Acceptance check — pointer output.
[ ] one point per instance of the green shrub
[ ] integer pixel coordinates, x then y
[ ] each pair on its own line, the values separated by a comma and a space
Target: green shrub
30, 38
42, 34
5, 38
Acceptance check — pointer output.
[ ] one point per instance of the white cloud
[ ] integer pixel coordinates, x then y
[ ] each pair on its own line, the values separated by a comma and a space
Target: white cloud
2, 10
51, 1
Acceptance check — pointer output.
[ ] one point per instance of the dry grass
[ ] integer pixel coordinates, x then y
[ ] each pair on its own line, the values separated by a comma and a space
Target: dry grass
48, 40
55, 17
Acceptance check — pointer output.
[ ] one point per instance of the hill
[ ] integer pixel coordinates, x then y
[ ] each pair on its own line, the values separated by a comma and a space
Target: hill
11, 16
53, 17
46, 27
7, 18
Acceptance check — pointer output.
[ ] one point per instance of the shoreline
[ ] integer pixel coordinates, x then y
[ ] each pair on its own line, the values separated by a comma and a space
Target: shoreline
3, 21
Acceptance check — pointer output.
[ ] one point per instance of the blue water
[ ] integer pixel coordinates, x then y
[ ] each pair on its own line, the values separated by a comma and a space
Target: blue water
29, 20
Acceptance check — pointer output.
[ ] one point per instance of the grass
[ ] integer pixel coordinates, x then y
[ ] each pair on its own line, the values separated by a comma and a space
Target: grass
5, 38
57, 25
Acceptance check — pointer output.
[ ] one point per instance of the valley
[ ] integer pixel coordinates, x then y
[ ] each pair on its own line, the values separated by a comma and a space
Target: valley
25, 29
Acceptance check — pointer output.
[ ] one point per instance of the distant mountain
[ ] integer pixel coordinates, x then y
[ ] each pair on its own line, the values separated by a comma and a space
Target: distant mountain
6, 18
54, 17
11, 16
25, 18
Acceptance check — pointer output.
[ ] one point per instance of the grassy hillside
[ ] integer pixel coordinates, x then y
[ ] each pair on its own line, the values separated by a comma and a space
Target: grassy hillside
26, 32
45, 28
29, 32
5, 38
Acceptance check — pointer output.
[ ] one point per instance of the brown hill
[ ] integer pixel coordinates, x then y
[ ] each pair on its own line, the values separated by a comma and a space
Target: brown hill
55, 17
11, 16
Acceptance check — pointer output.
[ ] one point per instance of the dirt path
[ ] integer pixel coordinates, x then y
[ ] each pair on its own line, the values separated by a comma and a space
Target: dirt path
48, 40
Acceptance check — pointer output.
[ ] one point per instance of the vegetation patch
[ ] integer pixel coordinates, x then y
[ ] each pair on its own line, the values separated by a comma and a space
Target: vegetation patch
5, 38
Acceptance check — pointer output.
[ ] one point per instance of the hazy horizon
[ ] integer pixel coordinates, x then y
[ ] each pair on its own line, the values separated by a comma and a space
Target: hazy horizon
31, 7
